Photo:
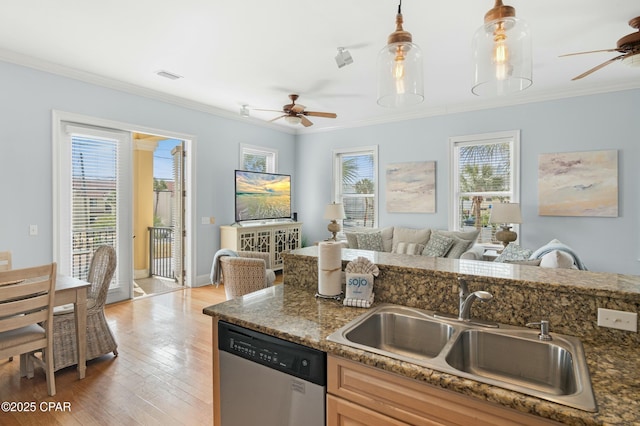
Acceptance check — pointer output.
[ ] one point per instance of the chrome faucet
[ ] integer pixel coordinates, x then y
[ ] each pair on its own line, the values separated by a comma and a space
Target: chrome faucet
467, 299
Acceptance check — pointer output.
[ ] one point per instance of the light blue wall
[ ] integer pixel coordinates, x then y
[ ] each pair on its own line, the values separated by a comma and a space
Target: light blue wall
29, 96
597, 122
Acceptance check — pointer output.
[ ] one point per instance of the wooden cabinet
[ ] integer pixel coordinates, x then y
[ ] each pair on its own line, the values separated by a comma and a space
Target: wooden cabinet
273, 238
363, 395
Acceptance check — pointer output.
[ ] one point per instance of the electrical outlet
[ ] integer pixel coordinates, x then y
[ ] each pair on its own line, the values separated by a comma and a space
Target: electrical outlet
618, 319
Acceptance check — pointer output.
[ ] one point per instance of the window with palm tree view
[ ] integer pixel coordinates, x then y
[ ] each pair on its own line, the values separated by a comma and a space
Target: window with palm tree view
484, 172
356, 185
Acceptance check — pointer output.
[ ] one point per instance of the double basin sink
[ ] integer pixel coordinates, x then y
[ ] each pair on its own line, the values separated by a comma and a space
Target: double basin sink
510, 357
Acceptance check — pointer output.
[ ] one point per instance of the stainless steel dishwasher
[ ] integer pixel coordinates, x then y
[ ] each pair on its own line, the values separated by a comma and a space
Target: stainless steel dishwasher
269, 381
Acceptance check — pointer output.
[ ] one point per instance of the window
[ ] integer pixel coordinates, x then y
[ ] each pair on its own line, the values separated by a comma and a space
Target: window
484, 170
257, 159
355, 174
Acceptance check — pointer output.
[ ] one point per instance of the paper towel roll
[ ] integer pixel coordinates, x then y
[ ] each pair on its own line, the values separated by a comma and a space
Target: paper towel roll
329, 268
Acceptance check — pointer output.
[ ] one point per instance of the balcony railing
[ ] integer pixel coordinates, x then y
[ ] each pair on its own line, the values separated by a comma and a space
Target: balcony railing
161, 252
85, 242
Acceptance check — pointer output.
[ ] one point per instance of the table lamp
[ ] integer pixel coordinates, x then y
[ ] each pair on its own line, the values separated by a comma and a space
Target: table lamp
504, 214
334, 212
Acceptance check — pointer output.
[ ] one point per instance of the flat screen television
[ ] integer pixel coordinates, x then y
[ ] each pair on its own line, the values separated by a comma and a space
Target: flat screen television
261, 196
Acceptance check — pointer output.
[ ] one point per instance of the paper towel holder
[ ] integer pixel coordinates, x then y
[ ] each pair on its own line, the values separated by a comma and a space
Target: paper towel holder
337, 297
334, 212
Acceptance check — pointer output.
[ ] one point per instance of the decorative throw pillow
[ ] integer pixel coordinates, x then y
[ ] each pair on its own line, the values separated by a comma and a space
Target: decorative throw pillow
530, 262
458, 247
463, 235
557, 259
410, 235
513, 252
437, 246
352, 239
408, 248
370, 241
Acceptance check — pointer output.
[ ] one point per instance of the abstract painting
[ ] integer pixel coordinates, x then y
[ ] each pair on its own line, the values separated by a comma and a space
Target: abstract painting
578, 184
411, 187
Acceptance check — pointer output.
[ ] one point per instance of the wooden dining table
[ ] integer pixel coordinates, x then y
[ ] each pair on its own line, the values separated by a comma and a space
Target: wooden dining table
73, 290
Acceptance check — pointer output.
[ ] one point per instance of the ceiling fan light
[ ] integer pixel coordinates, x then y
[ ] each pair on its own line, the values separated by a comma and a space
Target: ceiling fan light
293, 119
502, 54
632, 60
400, 76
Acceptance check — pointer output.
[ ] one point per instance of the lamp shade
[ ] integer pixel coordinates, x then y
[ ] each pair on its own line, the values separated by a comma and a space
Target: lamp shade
334, 211
502, 54
400, 78
400, 82
505, 213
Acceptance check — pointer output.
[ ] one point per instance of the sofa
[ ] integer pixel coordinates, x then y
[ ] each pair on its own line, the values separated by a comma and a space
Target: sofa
415, 241
554, 254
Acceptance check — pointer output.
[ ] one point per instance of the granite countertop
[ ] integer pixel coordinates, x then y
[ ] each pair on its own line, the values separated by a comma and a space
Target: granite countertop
294, 314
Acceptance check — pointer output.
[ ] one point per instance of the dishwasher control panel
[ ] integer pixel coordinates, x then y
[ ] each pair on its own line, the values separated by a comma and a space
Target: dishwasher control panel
288, 357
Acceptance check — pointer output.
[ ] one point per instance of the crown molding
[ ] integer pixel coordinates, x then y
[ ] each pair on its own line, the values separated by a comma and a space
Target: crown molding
110, 83
519, 99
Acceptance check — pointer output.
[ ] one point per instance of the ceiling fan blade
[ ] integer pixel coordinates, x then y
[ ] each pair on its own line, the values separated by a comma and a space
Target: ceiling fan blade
305, 121
270, 110
596, 68
277, 118
591, 51
297, 108
321, 114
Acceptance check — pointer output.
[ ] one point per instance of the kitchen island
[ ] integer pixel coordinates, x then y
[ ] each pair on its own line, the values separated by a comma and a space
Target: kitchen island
291, 312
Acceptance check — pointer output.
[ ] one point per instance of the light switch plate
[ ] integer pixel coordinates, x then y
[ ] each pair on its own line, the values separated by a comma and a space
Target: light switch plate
33, 230
618, 319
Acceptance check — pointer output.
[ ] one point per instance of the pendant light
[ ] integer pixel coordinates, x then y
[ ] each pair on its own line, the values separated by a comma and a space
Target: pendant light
501, 53
400, 80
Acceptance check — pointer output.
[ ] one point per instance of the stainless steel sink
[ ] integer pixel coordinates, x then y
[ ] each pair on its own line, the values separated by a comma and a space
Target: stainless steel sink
509, 357
396, 330
542, 366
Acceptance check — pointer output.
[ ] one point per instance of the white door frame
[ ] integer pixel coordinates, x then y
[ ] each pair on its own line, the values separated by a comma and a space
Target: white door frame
190, 185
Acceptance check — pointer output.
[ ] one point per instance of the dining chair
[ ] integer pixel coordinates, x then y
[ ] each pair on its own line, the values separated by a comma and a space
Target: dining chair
248, 272
26, 324
5, 265
100, 339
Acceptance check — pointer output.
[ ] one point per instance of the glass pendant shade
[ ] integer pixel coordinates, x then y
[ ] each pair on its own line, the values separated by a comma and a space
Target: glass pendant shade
400, 77
502, 57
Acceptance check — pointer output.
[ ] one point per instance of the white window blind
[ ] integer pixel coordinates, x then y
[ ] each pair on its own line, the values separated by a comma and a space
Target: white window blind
356, 185
178, 212
94, 179
484, 172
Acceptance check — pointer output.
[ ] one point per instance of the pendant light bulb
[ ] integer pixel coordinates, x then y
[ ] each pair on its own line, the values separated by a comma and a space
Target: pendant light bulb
398, 71
501, 53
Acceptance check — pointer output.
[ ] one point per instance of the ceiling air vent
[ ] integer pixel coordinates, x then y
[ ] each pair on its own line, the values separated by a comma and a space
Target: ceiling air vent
169, 75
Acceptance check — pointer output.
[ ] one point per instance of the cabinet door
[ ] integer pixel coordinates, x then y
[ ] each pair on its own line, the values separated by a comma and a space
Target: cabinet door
344, 413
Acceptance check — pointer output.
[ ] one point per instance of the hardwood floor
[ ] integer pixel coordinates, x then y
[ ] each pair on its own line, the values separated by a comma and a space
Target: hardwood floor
162, 374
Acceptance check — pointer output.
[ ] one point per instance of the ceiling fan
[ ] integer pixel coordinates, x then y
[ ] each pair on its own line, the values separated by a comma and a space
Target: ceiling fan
628, 45
296, 114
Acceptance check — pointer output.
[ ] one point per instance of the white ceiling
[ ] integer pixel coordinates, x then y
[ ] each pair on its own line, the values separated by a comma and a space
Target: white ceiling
256, 52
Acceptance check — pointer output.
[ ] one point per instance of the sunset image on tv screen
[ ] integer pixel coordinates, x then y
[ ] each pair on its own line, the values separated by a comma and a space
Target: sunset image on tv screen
262, 196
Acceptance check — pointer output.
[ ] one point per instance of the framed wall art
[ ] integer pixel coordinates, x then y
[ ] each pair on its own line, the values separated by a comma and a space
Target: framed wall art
411, 187
578, 184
